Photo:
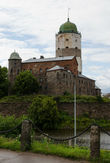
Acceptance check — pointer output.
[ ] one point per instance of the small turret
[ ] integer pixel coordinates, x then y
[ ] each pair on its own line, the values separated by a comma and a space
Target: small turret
14, 66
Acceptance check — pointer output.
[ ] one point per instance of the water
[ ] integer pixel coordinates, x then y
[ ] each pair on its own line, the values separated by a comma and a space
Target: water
83, 140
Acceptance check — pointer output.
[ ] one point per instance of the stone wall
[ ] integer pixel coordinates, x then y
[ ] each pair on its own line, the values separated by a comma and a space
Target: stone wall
95, 110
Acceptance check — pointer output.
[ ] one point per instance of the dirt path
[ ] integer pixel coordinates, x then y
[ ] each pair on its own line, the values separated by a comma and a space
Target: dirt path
7, 156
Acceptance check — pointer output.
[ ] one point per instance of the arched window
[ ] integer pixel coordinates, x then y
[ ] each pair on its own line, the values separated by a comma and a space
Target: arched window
67, 47
76, 47
67, 39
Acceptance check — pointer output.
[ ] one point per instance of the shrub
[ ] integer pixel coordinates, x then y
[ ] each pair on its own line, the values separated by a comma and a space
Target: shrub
44, 113
9, 122
25, 83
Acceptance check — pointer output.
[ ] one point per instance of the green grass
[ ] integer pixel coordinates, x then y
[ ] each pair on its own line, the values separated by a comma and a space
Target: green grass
63, 98
60, 150
77, 153
15, 98
8, 143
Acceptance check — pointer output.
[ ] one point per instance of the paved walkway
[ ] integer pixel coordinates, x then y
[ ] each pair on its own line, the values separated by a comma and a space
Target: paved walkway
7, 156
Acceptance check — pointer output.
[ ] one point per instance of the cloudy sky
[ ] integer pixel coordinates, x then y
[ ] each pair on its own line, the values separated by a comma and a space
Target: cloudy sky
29, 27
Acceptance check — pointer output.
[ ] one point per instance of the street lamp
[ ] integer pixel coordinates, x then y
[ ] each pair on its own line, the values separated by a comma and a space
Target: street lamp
75, 110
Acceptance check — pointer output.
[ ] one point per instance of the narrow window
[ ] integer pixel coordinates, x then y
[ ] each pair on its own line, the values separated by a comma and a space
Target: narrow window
11, 70
18, 71
40, 69
64, 75
67, 39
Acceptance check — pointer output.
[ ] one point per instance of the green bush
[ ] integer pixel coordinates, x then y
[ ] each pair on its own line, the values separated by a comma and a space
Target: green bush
44, 113
9, 122
25, 83
4, 83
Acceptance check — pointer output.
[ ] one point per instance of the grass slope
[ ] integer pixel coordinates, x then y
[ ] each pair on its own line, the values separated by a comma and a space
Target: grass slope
44, 147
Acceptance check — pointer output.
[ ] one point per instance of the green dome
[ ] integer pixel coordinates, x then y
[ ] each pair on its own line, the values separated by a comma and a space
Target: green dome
14, 55
68, 27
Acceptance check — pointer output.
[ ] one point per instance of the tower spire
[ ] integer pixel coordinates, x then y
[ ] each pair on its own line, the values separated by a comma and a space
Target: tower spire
68, 14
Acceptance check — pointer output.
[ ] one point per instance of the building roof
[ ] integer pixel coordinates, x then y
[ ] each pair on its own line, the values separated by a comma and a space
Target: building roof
14, 55
56, 68
49, 59
83, 76
68, 27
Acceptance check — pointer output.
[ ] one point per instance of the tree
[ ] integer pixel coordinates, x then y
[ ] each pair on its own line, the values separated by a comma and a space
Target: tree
25, 83
44, 113
4, 83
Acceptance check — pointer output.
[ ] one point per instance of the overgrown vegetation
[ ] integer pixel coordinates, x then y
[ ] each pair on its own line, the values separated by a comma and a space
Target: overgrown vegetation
77, 153
4, 83
61, 99
9, 122
70, 98
44, 113
82, 122
25, 83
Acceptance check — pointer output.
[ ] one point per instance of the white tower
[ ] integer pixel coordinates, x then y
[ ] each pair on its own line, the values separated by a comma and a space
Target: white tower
68, 42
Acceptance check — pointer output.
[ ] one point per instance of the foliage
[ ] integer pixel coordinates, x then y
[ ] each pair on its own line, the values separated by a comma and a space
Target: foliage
15, 99
4, 83
70, 98
25, 83
9, 122
43, 112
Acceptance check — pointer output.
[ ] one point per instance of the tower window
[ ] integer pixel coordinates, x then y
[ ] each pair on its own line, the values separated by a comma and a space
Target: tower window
67, 47
58, 48
11, 70
67, 39
18, 71
76, 47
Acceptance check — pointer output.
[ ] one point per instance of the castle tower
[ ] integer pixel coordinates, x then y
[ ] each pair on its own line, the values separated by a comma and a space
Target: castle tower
68, 42
14, 66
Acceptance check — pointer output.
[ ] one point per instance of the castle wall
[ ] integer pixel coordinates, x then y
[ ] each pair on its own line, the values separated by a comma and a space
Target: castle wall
93, 110
59, 82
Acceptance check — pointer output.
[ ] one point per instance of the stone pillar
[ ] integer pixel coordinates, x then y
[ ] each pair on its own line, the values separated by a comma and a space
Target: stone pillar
95, 142
26, 135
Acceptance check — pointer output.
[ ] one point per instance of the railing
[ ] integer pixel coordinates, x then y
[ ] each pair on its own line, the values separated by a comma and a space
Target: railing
27, 125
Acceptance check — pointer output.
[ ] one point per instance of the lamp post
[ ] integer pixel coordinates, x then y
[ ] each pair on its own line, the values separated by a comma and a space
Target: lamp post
75, 110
